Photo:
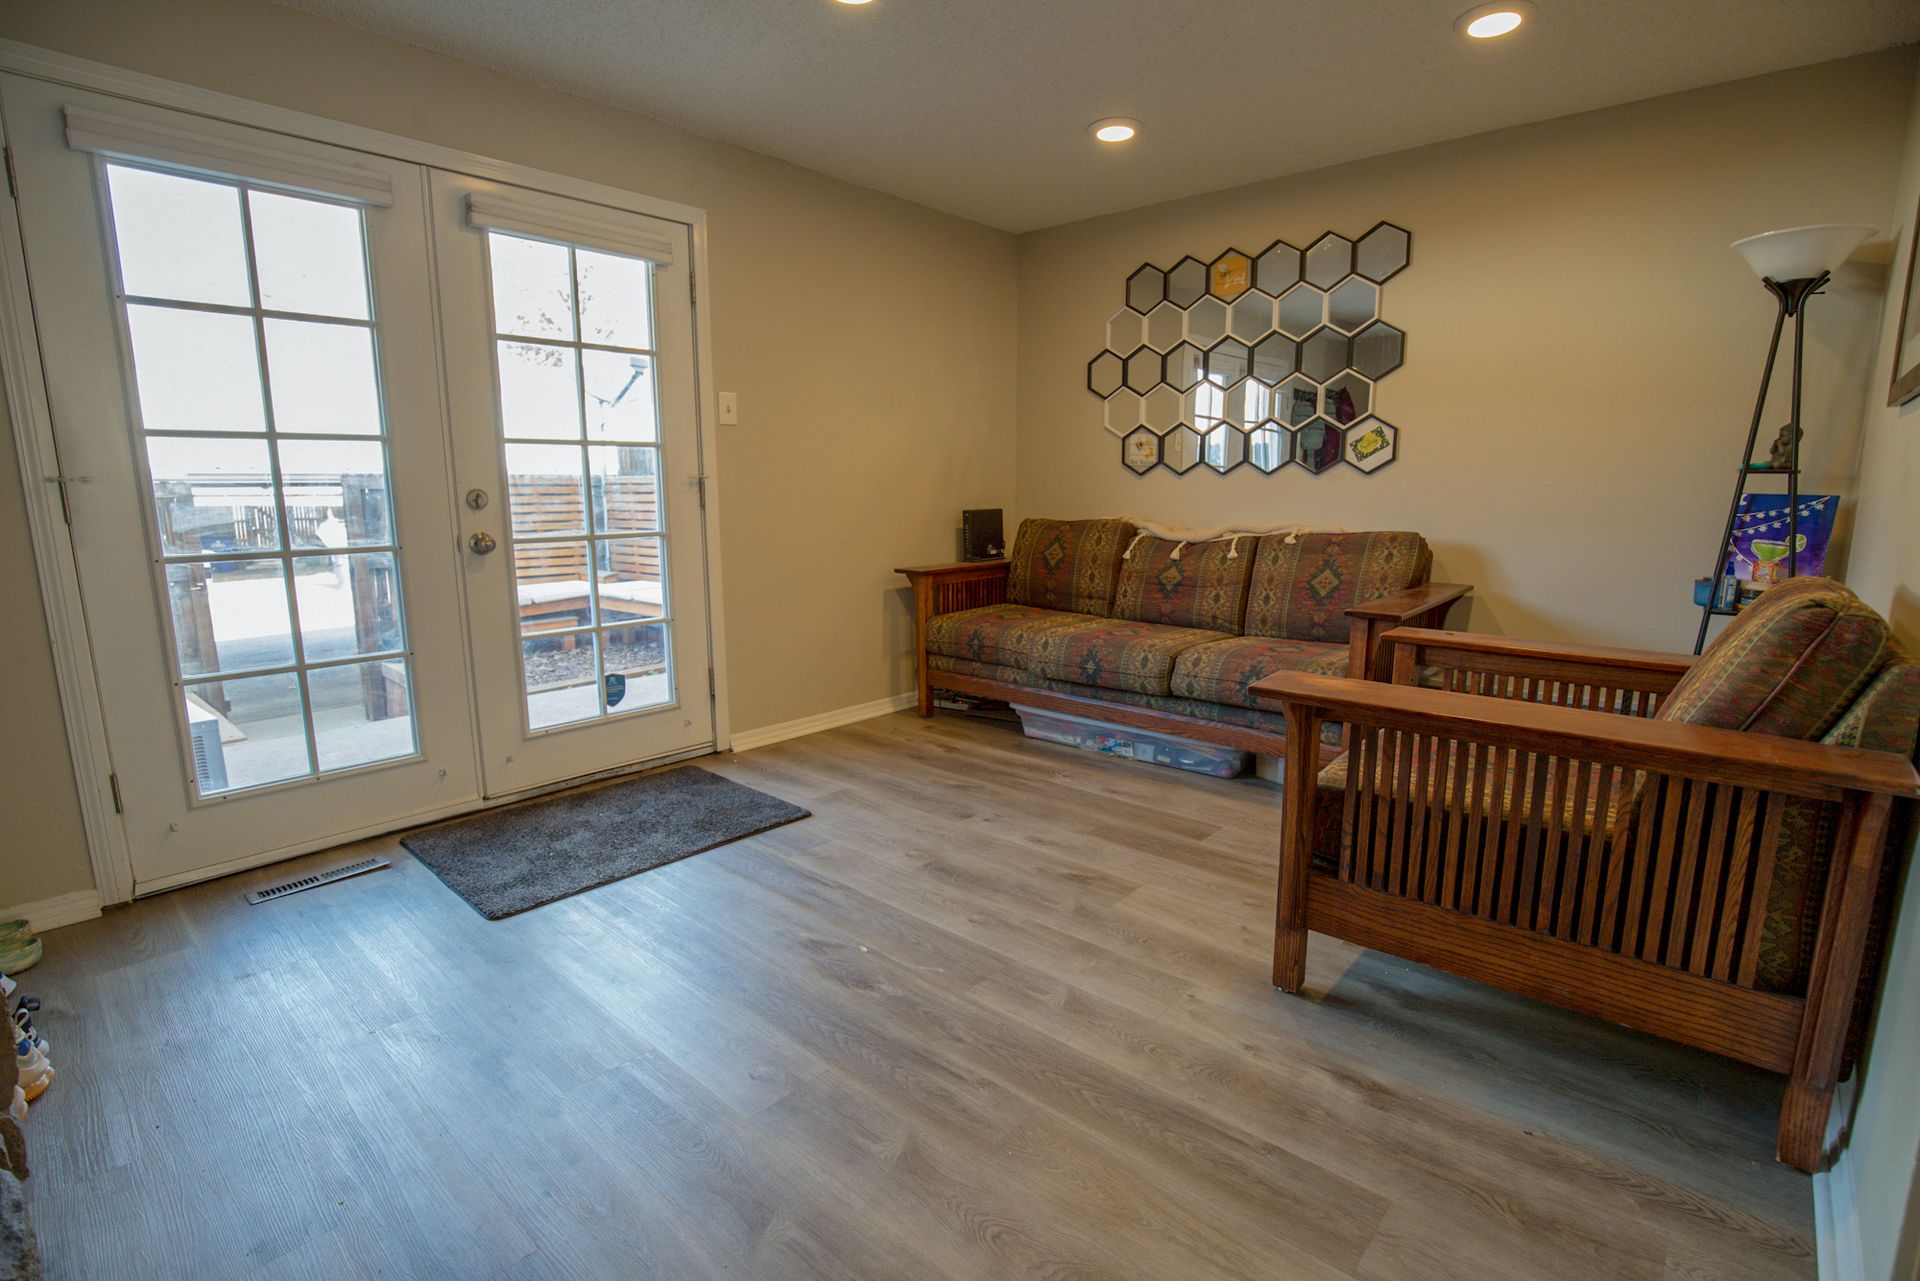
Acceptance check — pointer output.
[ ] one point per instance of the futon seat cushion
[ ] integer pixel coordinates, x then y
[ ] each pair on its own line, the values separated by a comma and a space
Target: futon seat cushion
1790, 664
1220, 671
1115, 654
999, 634
1180, 584
1067, 564
1303, 584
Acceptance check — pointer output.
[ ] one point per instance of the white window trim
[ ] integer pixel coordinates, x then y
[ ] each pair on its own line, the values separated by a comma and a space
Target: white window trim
27, 405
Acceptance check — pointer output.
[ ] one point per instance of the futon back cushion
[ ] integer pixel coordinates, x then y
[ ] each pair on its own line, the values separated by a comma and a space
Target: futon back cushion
1067, 564
1790, 664
1303, 584
1185, 584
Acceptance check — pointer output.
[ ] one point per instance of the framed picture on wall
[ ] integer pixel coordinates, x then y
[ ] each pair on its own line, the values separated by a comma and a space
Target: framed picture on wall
1906, 341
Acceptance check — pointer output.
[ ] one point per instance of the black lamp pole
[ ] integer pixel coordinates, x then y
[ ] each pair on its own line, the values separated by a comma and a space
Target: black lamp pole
1792, 296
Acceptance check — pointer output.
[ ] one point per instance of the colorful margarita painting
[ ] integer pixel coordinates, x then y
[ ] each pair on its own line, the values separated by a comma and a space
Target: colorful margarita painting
1758, 550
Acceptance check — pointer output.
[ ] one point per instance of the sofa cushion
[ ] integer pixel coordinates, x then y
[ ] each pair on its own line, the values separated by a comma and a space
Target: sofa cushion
998, 634
1114, 653
1303, 584
1790, 664
1067, 564
1220, 671
1185, 584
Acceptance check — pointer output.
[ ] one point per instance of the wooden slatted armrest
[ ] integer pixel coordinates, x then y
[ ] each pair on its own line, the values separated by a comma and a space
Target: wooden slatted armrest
1546, 652
1628, 682
958, 570
1736, 757
948, 589
1427, 603
1402, 606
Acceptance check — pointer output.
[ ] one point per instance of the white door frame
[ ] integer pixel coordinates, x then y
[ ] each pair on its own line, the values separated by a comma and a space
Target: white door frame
31, 418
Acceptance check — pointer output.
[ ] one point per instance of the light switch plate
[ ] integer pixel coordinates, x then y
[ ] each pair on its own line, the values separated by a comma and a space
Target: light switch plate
729, 408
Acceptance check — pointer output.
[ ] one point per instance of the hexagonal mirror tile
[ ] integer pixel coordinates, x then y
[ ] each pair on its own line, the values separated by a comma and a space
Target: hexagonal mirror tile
1329, 260
1186, 282
1166, 324
1140, 451
1346, 397
1371, 444
1146, 288
1247, 402
1230, 275
1224, 448
1274, 357
1160, 409
1296, 400
1122, 412
1302, 310
1352, 304
1227, 361
1186, 365
1143, 370
1382, 253
1318, 445
1126, 330
1278, 269
1104, 374
1180, 450
1322, 355
1206, 403
1269, 448
1206, 322
1252, 318
1378, 349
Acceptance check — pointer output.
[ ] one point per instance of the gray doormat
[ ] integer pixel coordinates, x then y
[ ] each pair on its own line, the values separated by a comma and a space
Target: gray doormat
508, 860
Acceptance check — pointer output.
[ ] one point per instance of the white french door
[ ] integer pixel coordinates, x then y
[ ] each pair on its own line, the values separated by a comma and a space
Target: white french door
345, 559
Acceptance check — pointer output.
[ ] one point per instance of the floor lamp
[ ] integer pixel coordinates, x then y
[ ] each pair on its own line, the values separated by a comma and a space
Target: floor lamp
1793, 264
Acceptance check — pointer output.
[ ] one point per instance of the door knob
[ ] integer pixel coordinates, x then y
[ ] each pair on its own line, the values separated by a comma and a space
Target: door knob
482, 544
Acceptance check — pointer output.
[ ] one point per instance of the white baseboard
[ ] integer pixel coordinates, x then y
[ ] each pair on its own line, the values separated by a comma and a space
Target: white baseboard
747, 740
52, 913
1836, 1215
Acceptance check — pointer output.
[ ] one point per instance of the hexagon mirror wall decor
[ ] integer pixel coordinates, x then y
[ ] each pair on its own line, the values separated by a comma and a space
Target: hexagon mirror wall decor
1265, 361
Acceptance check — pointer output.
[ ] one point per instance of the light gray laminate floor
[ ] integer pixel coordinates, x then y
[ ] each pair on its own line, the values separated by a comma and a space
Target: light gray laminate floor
1000, 1009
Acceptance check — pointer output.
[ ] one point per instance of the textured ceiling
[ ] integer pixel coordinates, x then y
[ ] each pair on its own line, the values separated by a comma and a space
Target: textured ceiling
980, 107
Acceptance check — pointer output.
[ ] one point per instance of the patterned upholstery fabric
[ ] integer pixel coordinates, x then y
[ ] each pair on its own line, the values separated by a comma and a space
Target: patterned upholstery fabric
1114, 654
1067, 564
1790, 664
1185, 584
1221, 671
1301, 589
1001, 634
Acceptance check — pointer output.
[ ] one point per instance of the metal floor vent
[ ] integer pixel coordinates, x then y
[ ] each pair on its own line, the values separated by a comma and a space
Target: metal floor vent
328, 877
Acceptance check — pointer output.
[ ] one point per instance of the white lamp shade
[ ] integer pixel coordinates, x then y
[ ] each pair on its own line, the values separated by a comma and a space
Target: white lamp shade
1801, 253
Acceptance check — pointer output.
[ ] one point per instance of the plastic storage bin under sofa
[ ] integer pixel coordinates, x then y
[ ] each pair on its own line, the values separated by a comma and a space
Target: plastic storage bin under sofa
1134, 744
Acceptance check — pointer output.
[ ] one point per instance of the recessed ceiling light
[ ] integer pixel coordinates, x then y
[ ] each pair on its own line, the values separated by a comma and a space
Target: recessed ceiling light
1489, 21
855, 2
1114, 129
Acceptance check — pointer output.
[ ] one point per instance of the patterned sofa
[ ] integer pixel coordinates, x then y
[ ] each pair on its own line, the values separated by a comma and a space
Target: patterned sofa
1098, 618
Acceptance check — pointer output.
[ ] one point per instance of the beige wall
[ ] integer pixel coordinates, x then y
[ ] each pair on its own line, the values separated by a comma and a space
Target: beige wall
869, 340
1884, 1147
1582, 348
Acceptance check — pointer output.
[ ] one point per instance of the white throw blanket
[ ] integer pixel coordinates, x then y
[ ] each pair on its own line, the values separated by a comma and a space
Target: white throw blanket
1183, 534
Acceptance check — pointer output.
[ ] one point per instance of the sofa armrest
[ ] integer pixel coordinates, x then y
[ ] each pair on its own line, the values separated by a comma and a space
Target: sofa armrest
946, 589
1632, 682
1426, 604
955, 572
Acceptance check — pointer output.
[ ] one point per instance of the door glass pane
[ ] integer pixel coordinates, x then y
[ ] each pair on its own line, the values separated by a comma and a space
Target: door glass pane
196, 370
532, 287
616, 300
247, 732
562, 679
310, 256
362, 712
212, 495
539, 392
178, 238
243, 519
595, 630
230, 615
322, 377
620, 403
545, 489
336, 493
348, 606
